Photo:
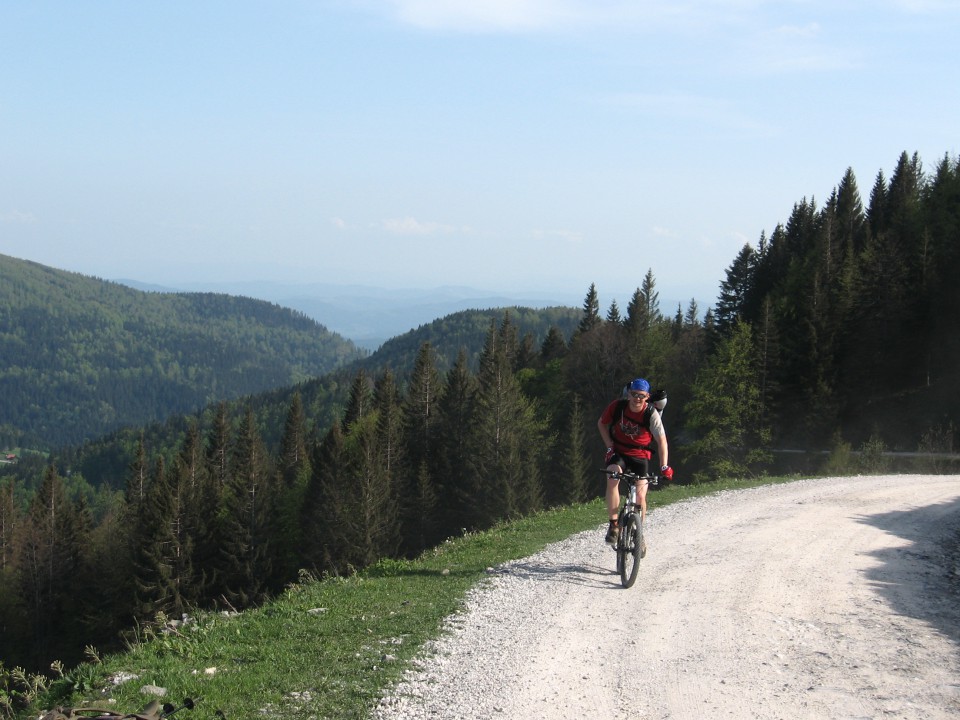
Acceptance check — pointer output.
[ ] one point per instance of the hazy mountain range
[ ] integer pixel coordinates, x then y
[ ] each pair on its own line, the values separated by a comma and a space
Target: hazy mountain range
369, 315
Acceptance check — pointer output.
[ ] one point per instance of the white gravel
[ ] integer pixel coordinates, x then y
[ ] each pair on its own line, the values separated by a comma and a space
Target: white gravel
833, 598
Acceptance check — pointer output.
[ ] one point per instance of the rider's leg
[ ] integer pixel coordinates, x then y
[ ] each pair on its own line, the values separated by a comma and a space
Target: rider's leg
642, 498
613, 492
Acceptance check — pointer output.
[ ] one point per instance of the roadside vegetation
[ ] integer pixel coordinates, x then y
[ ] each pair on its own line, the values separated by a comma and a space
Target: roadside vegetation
325, 647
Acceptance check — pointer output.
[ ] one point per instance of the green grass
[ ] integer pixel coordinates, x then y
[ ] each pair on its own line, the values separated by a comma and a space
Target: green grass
326, 648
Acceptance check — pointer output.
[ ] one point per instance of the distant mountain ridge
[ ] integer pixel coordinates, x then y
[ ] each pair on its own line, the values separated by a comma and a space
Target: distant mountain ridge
81, 356
369, 316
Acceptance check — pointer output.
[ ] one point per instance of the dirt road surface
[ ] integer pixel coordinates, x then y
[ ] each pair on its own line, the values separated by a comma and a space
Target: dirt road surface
834, 598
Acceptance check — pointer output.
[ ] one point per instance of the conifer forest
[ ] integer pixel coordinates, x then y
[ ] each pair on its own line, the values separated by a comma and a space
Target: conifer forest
834, 336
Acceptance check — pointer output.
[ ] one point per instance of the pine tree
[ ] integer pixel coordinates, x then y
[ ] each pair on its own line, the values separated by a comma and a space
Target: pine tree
360, 401
457, 407
156, 546
572, 479
734, 291
249, 502
325, 505
209, 521
502, 473
11, 621
554, 347
650, 299
591, 311
294, 474
421, 417
726, 411
613, 313
51, 561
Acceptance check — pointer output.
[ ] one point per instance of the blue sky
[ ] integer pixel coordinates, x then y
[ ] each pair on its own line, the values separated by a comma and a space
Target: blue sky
524, 145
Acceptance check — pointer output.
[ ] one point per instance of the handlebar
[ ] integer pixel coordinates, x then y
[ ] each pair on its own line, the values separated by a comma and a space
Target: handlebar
632, 478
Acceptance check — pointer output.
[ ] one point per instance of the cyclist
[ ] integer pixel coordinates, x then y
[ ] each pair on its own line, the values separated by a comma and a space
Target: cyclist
629, 430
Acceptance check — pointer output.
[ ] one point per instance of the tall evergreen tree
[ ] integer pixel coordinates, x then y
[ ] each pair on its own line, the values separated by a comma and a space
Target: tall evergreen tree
11, 619
572, 480
160, 549
613, 313
51, 560
734, 291
726, 411
591, 311
554, 347
325, 509
502, 474
422, 486
249, 502
294, 474
457, 407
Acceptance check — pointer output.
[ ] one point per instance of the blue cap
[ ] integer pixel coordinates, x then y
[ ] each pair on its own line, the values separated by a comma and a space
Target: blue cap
640, 385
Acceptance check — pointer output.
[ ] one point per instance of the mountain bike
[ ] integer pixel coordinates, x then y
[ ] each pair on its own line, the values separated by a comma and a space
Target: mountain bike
153, 711
630, 546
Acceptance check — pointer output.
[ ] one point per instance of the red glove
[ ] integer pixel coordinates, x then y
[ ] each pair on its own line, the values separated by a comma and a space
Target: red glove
666, 472
609, 456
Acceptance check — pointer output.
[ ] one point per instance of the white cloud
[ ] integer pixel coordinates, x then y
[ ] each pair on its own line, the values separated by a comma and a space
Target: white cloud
15, 217
412, 226
489, 15
569, 236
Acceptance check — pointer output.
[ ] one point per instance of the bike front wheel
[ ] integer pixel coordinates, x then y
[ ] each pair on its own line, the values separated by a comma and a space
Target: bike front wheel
629, 545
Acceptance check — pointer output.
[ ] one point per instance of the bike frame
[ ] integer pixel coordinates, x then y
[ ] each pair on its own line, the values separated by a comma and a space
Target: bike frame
630, 547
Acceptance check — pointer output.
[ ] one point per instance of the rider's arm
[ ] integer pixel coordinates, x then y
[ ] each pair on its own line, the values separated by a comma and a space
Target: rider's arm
662, 450
604, 429
660, 435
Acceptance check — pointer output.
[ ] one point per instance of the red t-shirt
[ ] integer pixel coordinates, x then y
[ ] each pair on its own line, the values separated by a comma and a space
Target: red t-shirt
631, 432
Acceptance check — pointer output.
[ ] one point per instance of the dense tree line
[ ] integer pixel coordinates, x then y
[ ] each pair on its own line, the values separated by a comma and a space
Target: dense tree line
80, 357
838, 328
848, 313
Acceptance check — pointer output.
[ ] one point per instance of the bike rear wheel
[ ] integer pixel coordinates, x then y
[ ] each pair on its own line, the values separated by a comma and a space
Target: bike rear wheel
629, 544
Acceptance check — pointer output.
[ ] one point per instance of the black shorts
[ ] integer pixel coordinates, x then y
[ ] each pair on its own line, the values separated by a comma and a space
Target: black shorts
641, 466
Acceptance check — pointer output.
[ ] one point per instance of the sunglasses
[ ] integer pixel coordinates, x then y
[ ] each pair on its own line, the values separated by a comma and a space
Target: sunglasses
638, 395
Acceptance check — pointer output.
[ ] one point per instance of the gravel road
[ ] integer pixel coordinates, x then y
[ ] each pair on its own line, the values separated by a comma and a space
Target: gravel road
834, 598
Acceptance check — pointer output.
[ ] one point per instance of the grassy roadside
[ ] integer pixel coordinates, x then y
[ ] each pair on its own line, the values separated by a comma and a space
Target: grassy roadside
326, 648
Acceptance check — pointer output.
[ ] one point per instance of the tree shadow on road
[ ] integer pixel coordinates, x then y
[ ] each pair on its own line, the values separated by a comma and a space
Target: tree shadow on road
576, 574
922, 578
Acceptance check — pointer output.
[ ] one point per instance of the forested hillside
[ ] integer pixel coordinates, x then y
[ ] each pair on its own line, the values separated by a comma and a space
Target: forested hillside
105, 460
836, 333
849, 316
80, 357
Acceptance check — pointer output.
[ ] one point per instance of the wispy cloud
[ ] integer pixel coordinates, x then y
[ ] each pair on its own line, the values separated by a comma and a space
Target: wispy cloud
569, 236
412, 226
15, 217
490, 15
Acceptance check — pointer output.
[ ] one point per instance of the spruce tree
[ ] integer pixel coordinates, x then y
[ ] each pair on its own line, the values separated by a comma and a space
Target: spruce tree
726, 411
324, 514
11, 619
554, 347
573, 479
294, 474
502, 473
734, 291
457, 407
249, 502
591, 311
51, 562
158, 550
422, 477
